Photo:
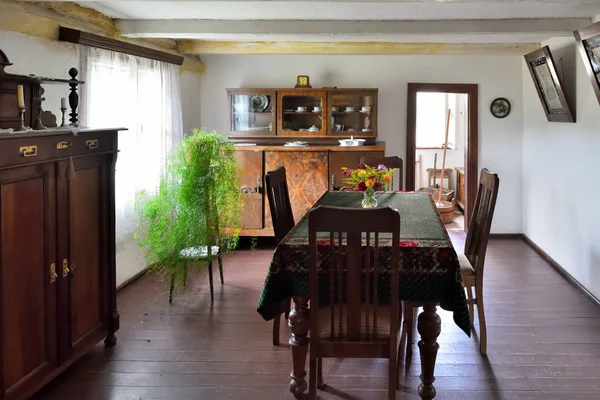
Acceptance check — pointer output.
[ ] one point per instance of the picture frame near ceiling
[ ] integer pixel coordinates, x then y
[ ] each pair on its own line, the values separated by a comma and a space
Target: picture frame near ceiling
588, 42
548, 85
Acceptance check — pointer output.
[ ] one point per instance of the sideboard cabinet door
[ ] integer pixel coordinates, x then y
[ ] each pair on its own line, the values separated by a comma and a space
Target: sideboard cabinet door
306, 173
28, 341
84, 254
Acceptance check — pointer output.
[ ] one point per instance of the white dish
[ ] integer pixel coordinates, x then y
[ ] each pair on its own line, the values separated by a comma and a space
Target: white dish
351, 142
245, 144
296, 144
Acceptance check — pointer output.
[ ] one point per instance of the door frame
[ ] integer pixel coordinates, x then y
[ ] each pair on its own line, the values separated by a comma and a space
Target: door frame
471, 140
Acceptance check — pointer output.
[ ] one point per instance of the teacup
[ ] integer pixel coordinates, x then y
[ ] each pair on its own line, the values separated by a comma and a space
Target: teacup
334, 109
349, 109
301, 109
365, 109
313, 128
317, 109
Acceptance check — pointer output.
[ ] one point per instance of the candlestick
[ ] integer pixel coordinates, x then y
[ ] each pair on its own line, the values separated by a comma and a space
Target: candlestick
63, 110
63, 102
22, 117
20, 96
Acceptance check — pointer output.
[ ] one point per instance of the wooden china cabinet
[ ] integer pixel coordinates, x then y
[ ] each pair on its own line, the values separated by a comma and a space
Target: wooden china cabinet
57, 243
263, 120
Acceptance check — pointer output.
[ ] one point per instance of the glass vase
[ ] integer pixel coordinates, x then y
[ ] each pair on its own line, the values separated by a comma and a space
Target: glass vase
368, 200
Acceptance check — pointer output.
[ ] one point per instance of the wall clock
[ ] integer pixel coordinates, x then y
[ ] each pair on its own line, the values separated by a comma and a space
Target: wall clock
500, 107
302, 81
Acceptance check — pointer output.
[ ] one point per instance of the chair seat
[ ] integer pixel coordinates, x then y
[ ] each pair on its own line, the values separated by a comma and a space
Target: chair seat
198, 252
383, 322
465, 266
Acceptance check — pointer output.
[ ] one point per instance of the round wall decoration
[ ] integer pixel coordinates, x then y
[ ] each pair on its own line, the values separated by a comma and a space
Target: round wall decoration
500, 107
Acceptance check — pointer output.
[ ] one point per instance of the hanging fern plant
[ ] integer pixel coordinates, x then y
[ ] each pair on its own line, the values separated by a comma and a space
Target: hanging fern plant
197, 203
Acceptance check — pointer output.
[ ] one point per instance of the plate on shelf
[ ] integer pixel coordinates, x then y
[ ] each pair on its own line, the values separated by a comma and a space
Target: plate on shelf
259, 102
296, 143
258, 128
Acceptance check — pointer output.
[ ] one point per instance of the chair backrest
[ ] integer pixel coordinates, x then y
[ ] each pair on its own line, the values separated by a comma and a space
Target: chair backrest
392, 162
347, 275
279, 203
481, 221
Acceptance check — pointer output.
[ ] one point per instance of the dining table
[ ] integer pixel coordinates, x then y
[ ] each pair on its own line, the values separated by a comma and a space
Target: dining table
429, 274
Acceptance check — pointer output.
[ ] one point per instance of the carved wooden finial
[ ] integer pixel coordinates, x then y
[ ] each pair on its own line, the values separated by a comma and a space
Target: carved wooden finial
3, 62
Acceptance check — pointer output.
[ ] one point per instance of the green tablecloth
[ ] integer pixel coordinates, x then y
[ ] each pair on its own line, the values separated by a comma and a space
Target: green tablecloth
429, 272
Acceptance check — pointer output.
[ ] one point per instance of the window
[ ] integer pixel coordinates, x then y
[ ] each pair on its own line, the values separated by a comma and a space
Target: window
432, 109
143, 96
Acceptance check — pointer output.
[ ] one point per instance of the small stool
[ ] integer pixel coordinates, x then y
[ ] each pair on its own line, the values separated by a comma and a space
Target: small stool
436, 174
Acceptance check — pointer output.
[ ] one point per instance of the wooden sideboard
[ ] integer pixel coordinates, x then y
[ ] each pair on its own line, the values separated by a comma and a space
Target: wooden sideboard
57, 275
311, 171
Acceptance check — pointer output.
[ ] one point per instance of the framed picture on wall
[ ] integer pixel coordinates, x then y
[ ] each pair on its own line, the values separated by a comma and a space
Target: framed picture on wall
548, 85
588, 41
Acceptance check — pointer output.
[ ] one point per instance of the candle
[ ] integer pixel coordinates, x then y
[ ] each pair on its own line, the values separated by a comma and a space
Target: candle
20, 96
63, 102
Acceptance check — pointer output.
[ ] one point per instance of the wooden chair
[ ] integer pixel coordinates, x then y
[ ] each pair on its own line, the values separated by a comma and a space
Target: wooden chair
197, 254
283, 221
472, 261
393, 162
351, 322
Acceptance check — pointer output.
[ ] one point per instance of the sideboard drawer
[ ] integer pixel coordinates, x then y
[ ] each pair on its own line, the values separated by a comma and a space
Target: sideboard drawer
27, 150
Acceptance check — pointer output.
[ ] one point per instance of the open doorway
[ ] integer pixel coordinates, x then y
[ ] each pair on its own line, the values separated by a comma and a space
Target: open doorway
428, 108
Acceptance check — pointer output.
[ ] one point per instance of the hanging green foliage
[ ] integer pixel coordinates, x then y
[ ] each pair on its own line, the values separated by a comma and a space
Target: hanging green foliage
197, 203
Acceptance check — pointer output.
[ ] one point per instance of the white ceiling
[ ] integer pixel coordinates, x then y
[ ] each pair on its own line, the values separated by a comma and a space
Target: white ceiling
454, 21
347, 10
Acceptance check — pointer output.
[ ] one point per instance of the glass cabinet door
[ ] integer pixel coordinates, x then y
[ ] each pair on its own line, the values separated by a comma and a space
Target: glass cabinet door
252, 113
302, 113
353, 113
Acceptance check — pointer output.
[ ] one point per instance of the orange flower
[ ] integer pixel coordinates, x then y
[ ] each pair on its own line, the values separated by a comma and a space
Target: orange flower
370, 183
387, 178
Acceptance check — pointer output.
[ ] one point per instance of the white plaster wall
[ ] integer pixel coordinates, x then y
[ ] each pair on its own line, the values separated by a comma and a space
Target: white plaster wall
500, 141
560, 165
190, 101
42, 57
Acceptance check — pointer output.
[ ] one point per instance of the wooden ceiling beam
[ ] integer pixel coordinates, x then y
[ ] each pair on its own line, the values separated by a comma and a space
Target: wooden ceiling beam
201, 47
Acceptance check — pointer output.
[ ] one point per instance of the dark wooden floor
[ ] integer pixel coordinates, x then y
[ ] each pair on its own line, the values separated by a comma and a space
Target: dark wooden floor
544, 342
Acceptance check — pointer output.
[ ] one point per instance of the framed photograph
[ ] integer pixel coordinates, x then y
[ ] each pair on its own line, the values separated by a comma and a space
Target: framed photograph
548, 85
588, 41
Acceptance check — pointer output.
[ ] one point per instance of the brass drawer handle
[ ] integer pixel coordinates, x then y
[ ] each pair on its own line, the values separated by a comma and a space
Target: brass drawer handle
53, 274
63, 145
91, 144
28, 151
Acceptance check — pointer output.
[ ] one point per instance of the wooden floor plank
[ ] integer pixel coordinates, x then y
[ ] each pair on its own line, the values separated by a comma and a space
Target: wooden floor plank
543, 342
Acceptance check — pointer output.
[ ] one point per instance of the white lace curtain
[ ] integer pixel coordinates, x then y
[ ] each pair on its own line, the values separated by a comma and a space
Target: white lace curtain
143, 96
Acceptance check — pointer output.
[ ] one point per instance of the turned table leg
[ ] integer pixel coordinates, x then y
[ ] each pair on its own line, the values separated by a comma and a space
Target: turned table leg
429, 327
299, 324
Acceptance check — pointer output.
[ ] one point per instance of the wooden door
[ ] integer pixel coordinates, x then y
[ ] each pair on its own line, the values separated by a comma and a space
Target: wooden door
251, 184
302, 112
28, 284
252, 112
84, 255
306, 178
348, 159
352, 112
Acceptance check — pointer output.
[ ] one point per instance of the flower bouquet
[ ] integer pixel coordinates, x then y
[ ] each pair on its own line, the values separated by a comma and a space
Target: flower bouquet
369, 180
